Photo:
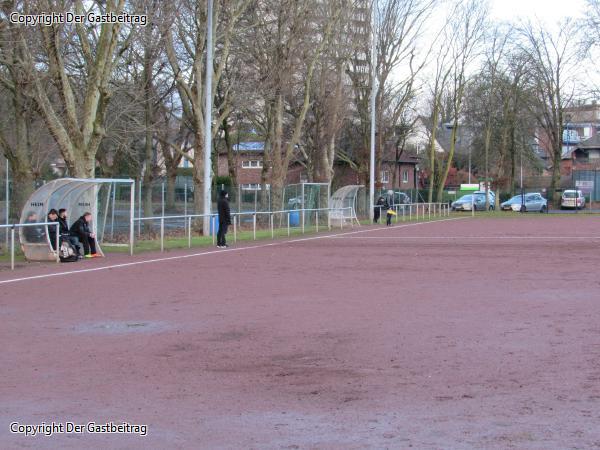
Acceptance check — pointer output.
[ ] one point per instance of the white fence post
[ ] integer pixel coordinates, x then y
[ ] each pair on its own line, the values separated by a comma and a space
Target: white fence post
189, 231
139, 209
235, 228
288, 223
254, 225
162, 234
185, 202
12, 248
271, 224
112, 211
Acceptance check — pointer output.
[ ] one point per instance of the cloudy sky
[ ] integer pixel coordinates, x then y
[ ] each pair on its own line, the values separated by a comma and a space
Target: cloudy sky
550, 11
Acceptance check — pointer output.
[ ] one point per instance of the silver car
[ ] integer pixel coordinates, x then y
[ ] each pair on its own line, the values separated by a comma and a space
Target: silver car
532, 201
477, 200
507, 205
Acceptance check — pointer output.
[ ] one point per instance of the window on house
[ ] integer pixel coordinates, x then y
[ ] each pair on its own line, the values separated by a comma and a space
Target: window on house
405, 176
252, 164
385, 176
250, 187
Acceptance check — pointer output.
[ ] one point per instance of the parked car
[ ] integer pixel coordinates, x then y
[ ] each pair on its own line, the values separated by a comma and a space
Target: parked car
492, 195
477, 199
507, 205
532, 201
395, 198
572, 198
400, 198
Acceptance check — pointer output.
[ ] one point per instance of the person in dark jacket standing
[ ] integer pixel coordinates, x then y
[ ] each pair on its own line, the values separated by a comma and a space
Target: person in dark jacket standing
224, 218
377, 210
81, 229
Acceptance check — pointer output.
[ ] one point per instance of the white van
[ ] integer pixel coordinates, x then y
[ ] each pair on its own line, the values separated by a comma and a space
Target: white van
572, 198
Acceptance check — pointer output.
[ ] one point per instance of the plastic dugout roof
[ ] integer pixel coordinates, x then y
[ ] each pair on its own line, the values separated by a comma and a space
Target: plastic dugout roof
76, 195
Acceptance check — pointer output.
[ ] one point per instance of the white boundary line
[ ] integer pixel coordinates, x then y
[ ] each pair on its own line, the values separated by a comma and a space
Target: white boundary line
212, 252
565, 238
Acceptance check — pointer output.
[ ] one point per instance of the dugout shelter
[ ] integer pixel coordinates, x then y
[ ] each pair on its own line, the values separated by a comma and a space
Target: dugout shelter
77, 196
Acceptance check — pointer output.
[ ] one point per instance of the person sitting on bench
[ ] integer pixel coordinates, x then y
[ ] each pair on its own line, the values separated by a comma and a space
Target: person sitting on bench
33, 234
66, 234
81, 229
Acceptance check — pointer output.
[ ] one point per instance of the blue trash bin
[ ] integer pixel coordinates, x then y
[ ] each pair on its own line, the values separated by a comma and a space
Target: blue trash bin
214, 220
294, 218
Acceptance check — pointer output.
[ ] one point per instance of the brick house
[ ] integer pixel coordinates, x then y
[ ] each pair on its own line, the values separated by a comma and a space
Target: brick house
579, 140
584, 156
248, 158
406, 173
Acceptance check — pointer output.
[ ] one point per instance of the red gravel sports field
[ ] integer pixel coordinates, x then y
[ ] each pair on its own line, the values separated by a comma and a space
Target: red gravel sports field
455, 334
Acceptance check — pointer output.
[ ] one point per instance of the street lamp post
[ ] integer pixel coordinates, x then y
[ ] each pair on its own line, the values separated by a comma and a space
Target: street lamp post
416, 176
470, 150
521, 182
208, 119
373, 105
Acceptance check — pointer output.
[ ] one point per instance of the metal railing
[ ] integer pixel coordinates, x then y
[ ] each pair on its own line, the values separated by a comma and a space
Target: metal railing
12, 227
406, 211
303, 214
403, 212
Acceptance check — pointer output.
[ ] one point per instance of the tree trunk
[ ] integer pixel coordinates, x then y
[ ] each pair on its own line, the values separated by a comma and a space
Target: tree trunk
432, 168
170, 194
446, 170
488, 138
231, 169
513, 160
198, 177
555, 183
19, 155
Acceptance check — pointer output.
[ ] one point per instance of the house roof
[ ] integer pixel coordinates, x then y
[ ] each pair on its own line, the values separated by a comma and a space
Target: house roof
404, 159
591, 143
583, 113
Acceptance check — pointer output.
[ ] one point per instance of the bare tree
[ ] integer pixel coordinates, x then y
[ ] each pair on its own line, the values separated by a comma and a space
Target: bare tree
14, 136
79, 67
185, 45
286, 44
399, 26
497, 112
331, 99
438, 84
552, 57
464, 47
593, 20
496, 44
